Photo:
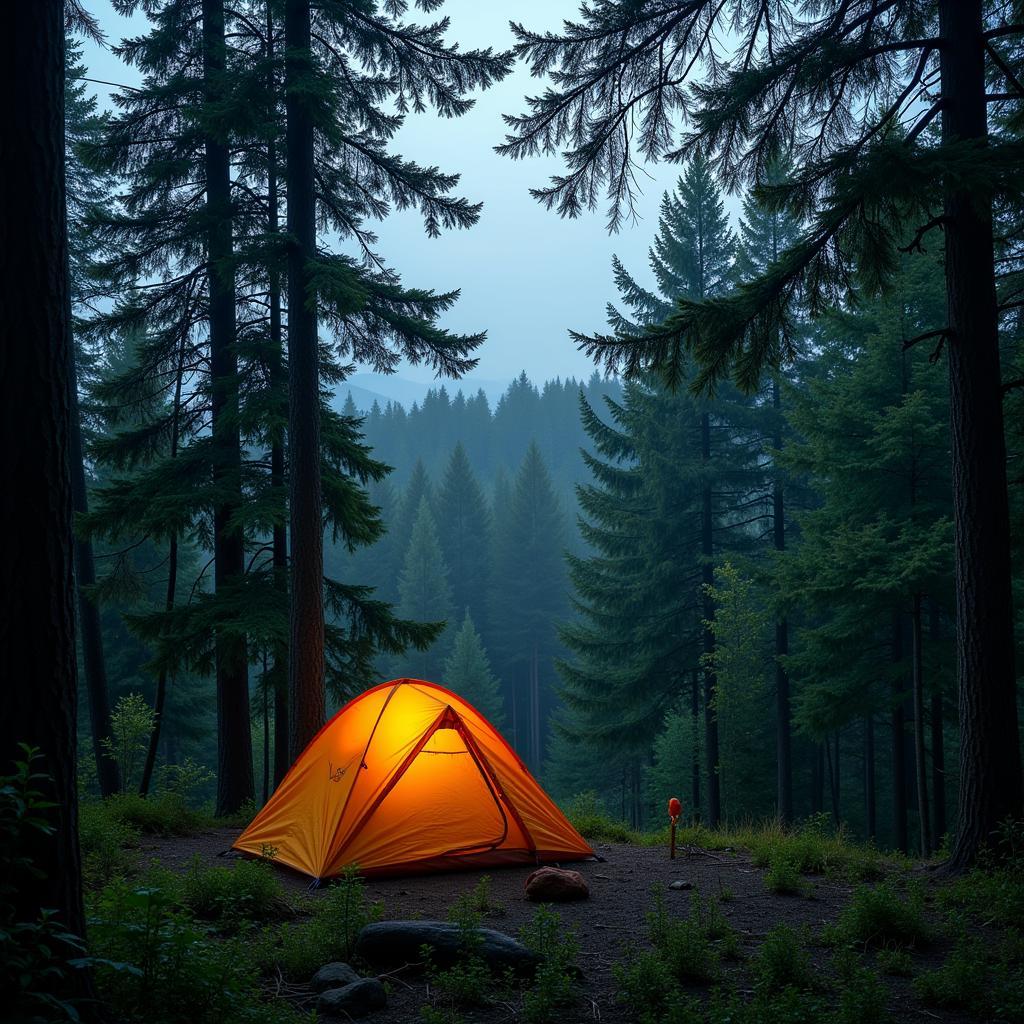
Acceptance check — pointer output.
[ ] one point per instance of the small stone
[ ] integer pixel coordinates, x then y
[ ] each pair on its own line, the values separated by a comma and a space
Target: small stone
556, 885
336, 975
358, 999
680, 884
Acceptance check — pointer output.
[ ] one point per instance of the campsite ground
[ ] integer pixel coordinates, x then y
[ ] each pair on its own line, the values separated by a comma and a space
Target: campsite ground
612, 925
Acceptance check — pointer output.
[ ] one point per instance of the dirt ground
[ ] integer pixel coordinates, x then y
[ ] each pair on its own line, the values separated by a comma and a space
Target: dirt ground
611, 919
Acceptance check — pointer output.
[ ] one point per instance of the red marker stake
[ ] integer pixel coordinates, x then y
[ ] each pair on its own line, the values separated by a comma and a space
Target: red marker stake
675, 808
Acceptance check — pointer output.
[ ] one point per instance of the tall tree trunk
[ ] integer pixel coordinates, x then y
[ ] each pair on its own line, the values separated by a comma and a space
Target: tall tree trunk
279, 386
899, 743
990, 765
160, 703
870, 811
234, 739
266, 730
306, 648
783, 715
695, 719
708, 579
172, 584
37, 604
936, 718
833, 777
535, 693
93, 663
920, 754
818, 779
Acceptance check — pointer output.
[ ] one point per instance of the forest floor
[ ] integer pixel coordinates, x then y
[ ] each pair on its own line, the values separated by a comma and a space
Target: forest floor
612, 925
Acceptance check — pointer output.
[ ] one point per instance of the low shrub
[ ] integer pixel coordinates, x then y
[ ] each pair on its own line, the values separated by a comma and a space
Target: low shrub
248, 891
299, 948
592, 821
863, 996
467, 982
880, 916
162, 814
783, 960
153, 962
37, 957
895, 962
960, 981
783, 876
985, 978
684, 945
646, 986
109, 844
552, 984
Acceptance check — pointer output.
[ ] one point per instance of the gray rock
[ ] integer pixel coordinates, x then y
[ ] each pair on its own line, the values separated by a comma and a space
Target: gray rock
680, 884
358, 999
336, 975
394, 943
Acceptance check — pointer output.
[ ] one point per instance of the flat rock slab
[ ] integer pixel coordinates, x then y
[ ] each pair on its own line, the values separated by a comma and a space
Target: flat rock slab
335, 975
395, 943
357, 999
556, 885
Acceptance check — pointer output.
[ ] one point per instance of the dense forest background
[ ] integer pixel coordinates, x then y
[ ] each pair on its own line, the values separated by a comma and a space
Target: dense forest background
598, 552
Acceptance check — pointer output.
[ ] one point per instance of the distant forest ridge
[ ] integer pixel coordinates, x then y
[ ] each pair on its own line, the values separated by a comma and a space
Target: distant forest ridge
495, 434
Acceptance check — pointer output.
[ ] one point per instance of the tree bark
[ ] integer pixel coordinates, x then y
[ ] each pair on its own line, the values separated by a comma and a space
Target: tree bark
818, 779
920, 755
37, 607
783, 714
710, 680
93, 663
160, 702
279, 385
695, 719
306, 649
234, 738
870, 811
990, 765
899, 743
172, 585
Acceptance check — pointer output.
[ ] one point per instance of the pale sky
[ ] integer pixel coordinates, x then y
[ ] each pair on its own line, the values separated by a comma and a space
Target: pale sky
526, 275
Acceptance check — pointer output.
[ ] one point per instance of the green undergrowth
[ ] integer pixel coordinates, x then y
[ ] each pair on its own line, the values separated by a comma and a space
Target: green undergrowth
469, 984
815, 847
682, 978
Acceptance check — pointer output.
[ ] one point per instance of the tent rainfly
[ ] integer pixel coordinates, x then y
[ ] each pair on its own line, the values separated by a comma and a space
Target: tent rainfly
409, 778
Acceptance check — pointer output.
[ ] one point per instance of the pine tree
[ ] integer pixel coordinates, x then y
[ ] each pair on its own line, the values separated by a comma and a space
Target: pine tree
764, 234
464, 528
692, 256
848, 90
354, 177
424, 594
528, 595
467, 671
37, 652
85, 189
873, 440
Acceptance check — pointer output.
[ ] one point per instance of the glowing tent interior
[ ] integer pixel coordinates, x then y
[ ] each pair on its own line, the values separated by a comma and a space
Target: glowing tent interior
408, 777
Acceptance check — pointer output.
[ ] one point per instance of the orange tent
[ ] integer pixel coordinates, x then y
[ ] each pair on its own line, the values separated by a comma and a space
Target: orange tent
409, 777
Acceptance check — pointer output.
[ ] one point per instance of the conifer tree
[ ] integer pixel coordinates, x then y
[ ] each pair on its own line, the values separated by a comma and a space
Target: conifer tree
528, 594
764, 234
37, 651
338, 166
852, 91
424, 594
872, 437
467, 671
86, 188
692, 256
464, 528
